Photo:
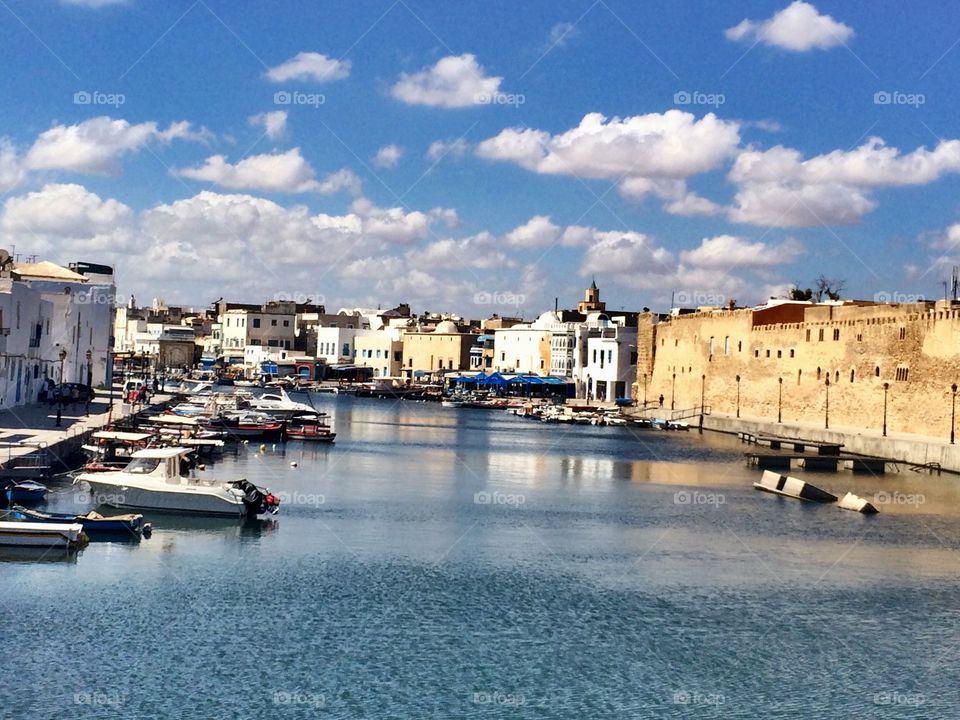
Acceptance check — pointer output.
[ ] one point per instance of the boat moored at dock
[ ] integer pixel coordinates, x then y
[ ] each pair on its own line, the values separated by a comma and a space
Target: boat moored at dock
42, 535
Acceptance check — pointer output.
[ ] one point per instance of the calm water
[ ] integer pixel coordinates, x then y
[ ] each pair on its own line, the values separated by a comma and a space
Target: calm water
440, 563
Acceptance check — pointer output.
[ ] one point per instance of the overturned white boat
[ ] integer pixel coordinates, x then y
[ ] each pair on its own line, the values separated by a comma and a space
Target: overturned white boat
42, 535
155, 480
856, 503
791, 487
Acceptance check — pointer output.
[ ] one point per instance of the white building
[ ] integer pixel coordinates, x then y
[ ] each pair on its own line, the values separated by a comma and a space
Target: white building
606, 362
525, 348
382, 350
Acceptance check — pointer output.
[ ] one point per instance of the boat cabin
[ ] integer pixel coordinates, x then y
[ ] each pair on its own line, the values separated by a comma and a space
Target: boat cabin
168, 463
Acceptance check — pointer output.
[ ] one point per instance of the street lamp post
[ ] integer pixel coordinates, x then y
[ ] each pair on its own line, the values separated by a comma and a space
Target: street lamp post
953, 413
89, 378
673, 389
703, 382
826, 419
63, 356
780, 401
644, 390
738, 396
886, 386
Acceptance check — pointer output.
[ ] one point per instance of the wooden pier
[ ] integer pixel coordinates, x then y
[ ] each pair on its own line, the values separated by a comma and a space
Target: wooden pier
786, 453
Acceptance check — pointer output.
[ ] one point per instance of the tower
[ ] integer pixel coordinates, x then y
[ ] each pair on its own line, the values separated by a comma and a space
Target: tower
591, 300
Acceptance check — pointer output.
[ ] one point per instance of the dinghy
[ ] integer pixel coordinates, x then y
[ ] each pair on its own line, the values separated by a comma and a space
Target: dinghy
791, 487
42, 535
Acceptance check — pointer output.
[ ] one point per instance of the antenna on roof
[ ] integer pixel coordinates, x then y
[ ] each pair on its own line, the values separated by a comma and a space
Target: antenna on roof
956, 282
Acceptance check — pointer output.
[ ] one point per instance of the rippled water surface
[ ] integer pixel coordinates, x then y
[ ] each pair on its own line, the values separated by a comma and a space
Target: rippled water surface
470, 564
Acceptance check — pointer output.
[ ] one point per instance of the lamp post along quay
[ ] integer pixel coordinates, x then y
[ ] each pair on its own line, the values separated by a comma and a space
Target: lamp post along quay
63, 356
826, 417
780, 400
953, 414
886, 387
738, 396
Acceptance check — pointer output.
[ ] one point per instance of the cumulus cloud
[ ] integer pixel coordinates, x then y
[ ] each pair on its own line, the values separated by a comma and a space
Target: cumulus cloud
273, 172
310, 66
799, 27
94, 145
777, 187
274, 123
453, 82
724, 252
648, 154
536, 232
440, 149
388, 156
67, 218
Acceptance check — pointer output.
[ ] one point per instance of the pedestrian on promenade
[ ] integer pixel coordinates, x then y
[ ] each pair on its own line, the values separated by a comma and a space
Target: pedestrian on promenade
44, 390
661, 399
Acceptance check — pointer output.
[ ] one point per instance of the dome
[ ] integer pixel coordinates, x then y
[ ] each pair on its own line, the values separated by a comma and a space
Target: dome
547, 319
447, 327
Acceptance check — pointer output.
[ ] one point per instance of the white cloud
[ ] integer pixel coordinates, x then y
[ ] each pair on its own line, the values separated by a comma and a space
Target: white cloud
561, 34
67, 218
724, 252
798, 27
94, 145
343, 179
648, 154
310, 66
388, 156
274, 123
481, 251
273, 172
440, 149
12, 171
455, 81
778, 187
536, 232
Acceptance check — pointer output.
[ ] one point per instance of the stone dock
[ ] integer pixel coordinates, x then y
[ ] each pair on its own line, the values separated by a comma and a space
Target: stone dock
32, 445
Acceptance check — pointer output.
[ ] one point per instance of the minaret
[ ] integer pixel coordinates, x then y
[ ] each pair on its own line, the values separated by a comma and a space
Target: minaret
591, 300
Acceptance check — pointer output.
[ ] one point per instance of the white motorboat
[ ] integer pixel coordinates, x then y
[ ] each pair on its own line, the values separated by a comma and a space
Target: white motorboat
279, 405
42, 535
155, 480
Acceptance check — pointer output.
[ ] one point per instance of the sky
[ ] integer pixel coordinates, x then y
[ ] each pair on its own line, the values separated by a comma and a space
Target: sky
484, 157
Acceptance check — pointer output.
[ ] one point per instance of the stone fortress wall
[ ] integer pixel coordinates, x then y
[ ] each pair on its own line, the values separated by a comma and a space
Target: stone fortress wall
785, 354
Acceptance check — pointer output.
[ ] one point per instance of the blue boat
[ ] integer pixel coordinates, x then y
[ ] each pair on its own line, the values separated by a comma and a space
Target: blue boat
27, 491
94, 524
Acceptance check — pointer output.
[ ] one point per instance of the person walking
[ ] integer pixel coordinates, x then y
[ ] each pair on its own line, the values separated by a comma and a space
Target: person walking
661, 399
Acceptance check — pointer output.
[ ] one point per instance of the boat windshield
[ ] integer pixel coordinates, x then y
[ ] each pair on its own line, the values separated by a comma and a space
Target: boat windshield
143, 466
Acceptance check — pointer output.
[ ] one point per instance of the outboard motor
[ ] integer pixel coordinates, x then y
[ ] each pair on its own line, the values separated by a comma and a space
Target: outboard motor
257, 501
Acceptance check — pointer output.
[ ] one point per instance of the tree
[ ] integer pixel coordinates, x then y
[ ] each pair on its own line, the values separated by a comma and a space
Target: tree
829, 287
797, 294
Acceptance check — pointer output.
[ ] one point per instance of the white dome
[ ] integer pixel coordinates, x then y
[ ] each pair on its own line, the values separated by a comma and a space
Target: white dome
447, 327
547, 319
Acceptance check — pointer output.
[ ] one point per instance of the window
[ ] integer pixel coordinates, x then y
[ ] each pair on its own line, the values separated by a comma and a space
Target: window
818, 373
859, 337
711, 344
852, 375
836, 333
273, 323
903, 330
739, 346
799, 375
836, 376
821, 335
768, 353
876, 371
902, 374
609, 356
808, 336
756, 353
346, 350
779, 354
256, 322
791, 352
726, 345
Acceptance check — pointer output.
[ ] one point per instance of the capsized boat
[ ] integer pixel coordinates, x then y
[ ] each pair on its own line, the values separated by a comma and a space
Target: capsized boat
155, 479
94, 524
42, 535
856, 503
791, 487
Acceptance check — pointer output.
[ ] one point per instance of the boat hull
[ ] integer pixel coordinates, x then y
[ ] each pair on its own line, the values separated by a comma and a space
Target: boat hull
201, 501
42, 535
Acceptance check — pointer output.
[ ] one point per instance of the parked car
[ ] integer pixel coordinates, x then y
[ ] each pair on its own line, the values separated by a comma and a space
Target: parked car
71, 393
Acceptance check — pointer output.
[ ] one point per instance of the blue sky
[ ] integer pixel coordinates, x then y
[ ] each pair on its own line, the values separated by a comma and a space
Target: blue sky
483, 157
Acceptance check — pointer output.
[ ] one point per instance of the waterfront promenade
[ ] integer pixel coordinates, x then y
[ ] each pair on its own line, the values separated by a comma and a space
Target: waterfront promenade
28, 428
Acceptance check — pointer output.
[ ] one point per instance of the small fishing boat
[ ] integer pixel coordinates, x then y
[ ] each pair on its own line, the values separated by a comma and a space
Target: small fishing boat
314, 433
855, 503
791, 487
42, 535
452, 403
94, 524
26, 491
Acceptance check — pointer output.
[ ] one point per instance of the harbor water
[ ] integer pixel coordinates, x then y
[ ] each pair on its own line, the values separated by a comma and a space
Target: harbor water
458, 563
